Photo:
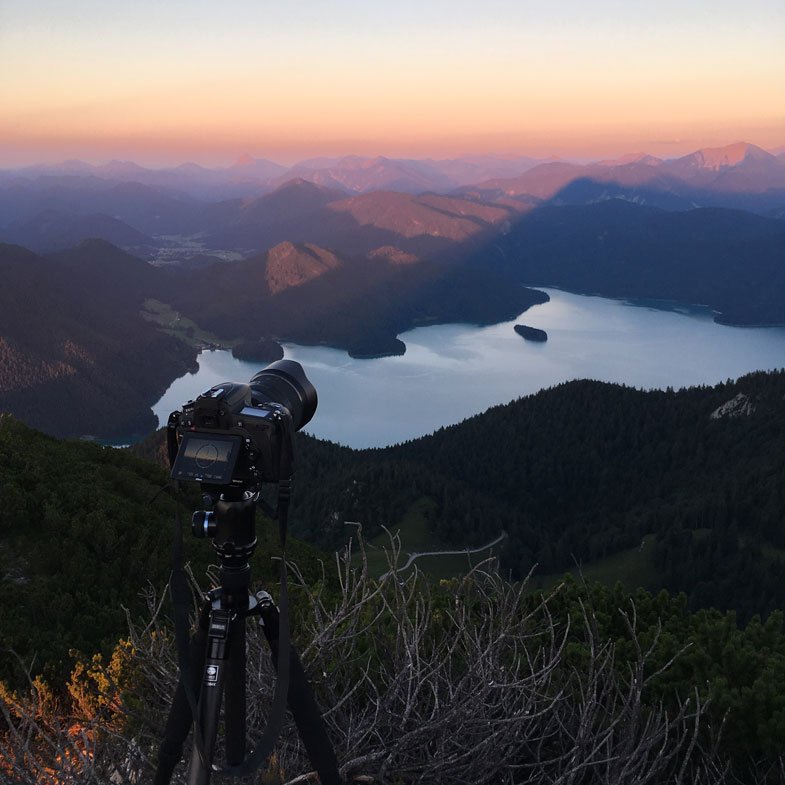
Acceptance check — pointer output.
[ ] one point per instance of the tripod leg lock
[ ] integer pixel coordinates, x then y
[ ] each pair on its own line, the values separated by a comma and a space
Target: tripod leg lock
264, 598
218, 637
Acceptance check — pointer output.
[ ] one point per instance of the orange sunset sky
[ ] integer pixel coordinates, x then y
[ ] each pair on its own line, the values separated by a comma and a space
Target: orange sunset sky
163, 83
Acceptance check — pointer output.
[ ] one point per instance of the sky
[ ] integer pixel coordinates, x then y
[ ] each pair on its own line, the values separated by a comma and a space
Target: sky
166, 82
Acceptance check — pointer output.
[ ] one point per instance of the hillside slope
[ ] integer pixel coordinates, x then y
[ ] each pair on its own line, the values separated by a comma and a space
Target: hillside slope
81, 540
582, 472
76, 357
727, 259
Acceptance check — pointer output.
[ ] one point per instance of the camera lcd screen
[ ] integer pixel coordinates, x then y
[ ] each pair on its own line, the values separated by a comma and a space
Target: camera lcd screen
209, 458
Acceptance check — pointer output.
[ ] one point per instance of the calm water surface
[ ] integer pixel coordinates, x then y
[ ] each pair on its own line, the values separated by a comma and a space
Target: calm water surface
451, 372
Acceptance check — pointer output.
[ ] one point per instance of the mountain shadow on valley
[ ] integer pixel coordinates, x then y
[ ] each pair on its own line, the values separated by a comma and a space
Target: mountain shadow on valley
726, 259
76, 356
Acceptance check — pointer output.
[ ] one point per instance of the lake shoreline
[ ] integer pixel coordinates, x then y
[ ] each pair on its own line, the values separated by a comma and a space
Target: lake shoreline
451, 372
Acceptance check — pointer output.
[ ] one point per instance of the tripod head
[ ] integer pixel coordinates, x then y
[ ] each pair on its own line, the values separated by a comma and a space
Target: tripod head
231, 525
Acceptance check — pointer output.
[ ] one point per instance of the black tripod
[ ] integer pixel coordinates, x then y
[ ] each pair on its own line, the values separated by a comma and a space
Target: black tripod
216, 653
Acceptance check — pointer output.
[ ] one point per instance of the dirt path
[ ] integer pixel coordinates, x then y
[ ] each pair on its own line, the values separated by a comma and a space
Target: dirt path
461, 552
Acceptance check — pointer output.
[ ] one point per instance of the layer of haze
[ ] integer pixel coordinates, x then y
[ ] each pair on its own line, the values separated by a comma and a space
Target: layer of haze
166, 82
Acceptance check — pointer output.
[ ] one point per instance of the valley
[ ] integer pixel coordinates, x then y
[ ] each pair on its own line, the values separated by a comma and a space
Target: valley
348, 263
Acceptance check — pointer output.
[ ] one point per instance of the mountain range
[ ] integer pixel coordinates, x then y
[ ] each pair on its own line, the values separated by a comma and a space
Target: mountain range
312, 264
737, 168
250, 176
730, 260
189, 212
740, 175
73, 328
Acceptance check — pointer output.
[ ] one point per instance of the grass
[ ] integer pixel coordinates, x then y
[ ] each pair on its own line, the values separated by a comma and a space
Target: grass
632, 568
414, 534
416, 537
174, 323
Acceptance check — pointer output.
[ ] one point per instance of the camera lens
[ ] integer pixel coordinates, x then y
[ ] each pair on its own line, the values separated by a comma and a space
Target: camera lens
285, 382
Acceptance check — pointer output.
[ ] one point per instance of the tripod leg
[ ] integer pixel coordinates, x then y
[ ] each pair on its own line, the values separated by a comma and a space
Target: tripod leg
235, 706
302, 703
214, 675
178, 723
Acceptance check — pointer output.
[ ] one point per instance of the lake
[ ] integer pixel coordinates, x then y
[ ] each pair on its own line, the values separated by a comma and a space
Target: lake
451, 372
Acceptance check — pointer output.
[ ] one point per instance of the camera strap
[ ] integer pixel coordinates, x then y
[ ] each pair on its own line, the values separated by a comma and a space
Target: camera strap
180, 592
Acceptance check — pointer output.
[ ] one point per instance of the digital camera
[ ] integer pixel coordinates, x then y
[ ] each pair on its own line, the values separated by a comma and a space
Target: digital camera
237, 434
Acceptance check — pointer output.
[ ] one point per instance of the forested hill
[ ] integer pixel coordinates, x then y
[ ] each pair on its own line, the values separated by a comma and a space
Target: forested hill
76, 355
84, 532
692, 482
586, 470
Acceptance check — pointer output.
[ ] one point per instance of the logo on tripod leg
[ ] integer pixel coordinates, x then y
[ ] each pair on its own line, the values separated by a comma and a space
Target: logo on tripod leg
211, 676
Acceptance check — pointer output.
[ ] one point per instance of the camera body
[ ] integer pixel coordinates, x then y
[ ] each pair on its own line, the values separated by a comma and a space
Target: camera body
242, 435
223, 438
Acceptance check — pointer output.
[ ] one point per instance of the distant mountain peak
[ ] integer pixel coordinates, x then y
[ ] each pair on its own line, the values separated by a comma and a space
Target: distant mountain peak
116, 166
298, 182
246, 166
632, 158
75, 165
290, 265
299, 185
716, 158
190, 167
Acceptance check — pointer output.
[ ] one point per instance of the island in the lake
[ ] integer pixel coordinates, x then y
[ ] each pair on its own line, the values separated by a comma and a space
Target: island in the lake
531, 333
263, 350
376, 346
